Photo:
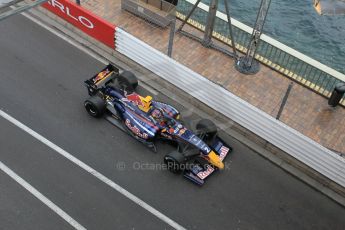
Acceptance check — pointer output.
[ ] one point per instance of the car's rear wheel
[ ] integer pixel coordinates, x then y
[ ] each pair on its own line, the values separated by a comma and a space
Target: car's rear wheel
95, 106
174, 162
207, 128
127, 81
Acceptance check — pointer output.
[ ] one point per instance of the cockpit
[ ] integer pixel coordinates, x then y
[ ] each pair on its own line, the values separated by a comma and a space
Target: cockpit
162, 118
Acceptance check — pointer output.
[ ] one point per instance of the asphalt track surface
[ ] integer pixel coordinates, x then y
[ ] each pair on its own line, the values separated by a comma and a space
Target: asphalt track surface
42, 86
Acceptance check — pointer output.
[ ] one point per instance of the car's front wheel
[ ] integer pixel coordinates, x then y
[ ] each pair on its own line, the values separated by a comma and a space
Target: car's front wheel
207, 128
174, 161
95, 106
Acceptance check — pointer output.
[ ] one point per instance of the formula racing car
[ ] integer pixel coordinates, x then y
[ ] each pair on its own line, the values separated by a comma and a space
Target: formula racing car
199, 153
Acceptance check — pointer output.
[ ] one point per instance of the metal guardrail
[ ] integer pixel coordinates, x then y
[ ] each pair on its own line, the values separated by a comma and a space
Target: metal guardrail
289, 62
287, 139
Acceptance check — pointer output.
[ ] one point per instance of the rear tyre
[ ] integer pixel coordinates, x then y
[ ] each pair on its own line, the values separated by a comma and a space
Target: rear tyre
207, 127
174, 162
112, 84
95, 106
127, 81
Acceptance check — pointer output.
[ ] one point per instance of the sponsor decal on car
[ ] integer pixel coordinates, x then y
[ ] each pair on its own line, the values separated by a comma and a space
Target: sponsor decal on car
182, 131
135, 99
100, 76
195, 140
203, 174
223, 151
206, 149
136, 130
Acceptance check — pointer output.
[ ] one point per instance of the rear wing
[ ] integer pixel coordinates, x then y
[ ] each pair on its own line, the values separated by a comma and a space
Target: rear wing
100, 79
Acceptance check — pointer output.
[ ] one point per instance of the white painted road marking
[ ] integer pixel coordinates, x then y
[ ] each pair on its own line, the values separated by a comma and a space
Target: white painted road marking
41, 197
92, 171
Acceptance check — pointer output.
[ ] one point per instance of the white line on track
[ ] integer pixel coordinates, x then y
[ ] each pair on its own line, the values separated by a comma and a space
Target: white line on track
41, 197
92, 171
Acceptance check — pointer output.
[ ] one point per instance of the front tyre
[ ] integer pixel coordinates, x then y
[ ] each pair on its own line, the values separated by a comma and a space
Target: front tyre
174, 162
207, 128
95, 106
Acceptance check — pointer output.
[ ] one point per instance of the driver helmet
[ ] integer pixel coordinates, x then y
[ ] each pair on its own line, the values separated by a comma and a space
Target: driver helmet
157, 114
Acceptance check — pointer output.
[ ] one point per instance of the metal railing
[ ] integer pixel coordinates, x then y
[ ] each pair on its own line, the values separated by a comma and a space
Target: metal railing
287, 61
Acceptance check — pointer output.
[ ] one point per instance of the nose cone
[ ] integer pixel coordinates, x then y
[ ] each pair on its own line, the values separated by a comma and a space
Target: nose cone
215, 160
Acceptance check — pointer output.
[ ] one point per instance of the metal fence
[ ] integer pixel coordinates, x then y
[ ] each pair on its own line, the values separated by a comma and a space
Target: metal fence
289, 62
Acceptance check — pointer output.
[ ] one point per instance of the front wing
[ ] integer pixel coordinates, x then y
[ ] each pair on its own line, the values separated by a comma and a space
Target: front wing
200, 169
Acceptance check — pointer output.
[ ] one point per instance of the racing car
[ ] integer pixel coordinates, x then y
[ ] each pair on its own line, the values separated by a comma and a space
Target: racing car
199, 153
